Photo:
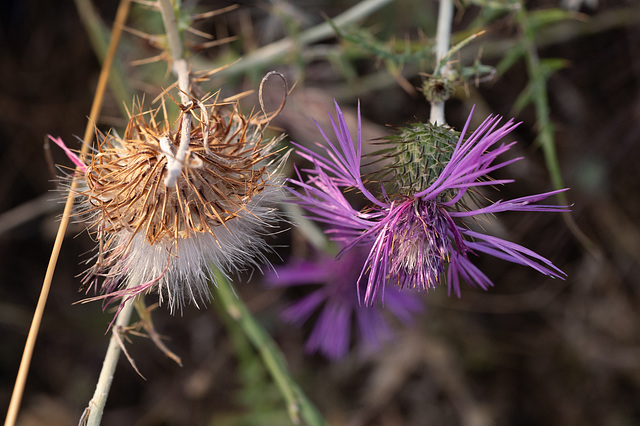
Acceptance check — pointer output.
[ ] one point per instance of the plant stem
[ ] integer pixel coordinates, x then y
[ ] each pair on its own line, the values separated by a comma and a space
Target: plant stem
181, 70
171, 28
96, 405
443, 39
538, 83
23, 371
298, 405
276, 50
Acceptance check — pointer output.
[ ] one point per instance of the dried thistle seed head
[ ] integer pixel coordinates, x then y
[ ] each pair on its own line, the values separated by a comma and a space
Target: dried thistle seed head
152, 236
218, 179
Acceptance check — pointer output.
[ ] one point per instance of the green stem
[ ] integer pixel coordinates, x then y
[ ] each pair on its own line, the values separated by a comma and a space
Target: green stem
541, 101
298, 405
538, 83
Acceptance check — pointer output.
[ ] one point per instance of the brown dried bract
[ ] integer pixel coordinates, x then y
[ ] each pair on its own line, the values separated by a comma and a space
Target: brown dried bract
224, 168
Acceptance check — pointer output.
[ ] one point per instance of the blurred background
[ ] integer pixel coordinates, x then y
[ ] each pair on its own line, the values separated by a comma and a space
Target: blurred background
530, 351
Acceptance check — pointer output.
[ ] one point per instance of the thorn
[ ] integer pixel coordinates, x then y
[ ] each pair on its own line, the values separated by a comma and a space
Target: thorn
213, 43
212, 13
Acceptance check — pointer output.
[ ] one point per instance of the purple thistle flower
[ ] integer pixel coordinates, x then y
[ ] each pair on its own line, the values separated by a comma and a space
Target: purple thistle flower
339, 305
415, 231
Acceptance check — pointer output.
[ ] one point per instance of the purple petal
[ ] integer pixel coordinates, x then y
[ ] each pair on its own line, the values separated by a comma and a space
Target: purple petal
331, 333
72, 156
512, 252
301, 310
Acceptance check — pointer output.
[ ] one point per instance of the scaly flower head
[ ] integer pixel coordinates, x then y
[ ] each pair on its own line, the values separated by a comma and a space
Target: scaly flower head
416, 204
154, 237
337, 300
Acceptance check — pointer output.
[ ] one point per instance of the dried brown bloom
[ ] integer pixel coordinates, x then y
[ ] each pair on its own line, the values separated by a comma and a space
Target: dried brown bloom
152, 236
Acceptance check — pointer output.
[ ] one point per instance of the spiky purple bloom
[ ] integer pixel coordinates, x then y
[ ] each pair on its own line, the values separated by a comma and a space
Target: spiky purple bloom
416, 233
337, 300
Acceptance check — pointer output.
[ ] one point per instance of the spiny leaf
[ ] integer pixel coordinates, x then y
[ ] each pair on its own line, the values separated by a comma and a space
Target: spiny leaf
538, 19
510, 58
499, 5
546, 68
477, 71
397, 52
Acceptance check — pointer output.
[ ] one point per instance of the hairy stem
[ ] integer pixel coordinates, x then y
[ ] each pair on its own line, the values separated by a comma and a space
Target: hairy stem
171, 28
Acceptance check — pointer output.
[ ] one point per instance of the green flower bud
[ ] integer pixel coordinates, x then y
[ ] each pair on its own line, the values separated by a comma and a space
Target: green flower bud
418, 153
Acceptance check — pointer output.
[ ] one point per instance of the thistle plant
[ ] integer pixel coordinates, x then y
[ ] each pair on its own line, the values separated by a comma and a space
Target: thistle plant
170, 207
411, 211
177, 205
416, 216
168, 239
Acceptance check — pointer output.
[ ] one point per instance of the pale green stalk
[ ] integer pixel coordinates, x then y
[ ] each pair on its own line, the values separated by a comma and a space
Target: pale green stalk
93, 413
443, 40
171, 28
181, 70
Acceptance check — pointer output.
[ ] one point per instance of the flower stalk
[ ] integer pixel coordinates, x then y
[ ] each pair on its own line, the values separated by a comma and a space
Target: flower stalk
181, 70
93, 413
443, 39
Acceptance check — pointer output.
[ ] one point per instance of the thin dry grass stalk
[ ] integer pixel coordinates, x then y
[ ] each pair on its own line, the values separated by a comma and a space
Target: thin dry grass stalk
23, 371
